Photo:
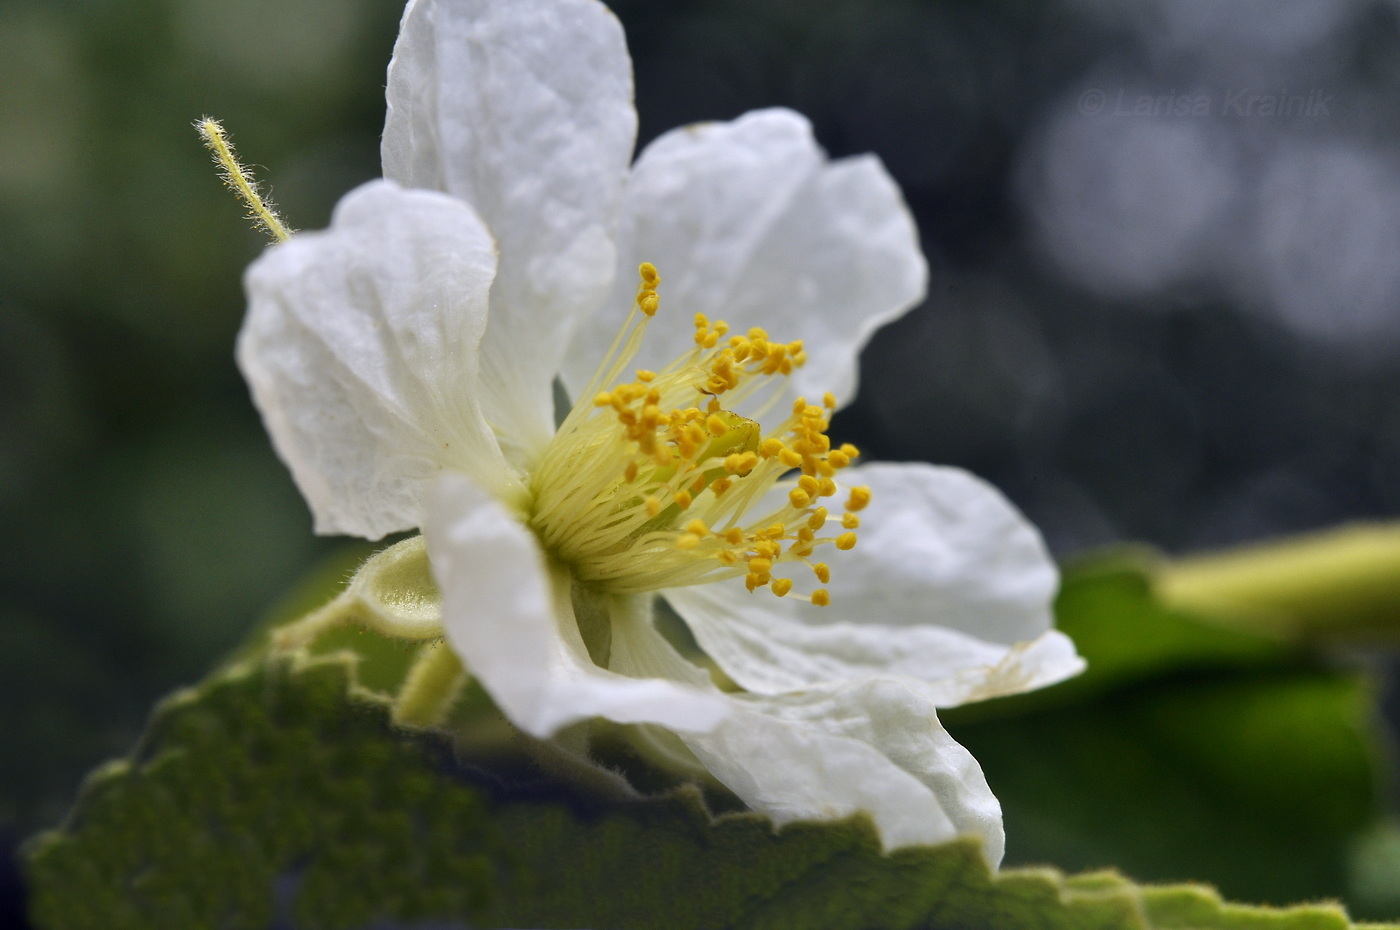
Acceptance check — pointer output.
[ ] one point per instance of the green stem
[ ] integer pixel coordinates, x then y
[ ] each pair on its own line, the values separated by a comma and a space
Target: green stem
1342, 583
432, 686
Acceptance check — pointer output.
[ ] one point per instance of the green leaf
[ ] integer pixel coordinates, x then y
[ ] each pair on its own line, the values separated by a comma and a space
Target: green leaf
1187, 751
279, 790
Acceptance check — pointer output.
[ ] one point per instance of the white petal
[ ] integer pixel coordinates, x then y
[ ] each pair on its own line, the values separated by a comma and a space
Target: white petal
524, 109
948, 584
874, 746
508, 615
360, 347
748, 222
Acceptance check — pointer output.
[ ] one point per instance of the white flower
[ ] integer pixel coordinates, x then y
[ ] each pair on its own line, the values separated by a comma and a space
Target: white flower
404, 359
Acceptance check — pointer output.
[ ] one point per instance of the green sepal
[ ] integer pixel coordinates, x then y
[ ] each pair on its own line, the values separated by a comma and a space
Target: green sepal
280, 791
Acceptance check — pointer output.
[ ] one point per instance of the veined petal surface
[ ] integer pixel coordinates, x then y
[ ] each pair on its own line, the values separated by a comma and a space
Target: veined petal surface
748, 221
360, 347
873, 746
508, 614
948, 585
523, 109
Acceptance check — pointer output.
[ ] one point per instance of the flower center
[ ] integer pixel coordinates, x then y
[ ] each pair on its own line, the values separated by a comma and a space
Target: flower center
653, 483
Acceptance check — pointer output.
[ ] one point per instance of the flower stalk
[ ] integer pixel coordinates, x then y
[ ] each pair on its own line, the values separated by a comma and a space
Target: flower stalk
1339, 584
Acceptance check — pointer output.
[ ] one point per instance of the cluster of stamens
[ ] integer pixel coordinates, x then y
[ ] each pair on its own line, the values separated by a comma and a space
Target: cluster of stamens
650, 483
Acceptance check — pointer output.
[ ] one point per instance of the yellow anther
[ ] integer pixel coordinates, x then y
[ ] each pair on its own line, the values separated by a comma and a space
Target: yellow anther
647, 272
697, 527
687, 541
683, 499
771, 447
799, 498
846, 541
826, 487
776, 531
860, 497
850, 521
644, 376
821, 598
748, 462
813, 413
757, 333
818, 518
824, 468
838, 459
767, 549
806, 534
727, 557
781, 586
629, 474
849, 450
808, 484
653, 506
603, 400
829, 400
720, 485
752, 581
799, 405
760, 566
823, 572
790, 458
716, 425
649, 304
702, 321
733, 536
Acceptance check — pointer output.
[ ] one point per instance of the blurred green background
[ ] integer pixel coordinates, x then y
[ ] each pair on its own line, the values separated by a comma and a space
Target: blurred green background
1179, 331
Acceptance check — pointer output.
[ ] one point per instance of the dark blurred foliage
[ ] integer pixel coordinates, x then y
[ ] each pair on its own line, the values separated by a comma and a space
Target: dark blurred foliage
1181, 330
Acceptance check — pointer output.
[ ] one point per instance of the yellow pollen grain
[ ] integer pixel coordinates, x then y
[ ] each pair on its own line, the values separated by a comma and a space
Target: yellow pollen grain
846, 541
860, 497
781, 586
821, 597
823, 572
850, 521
